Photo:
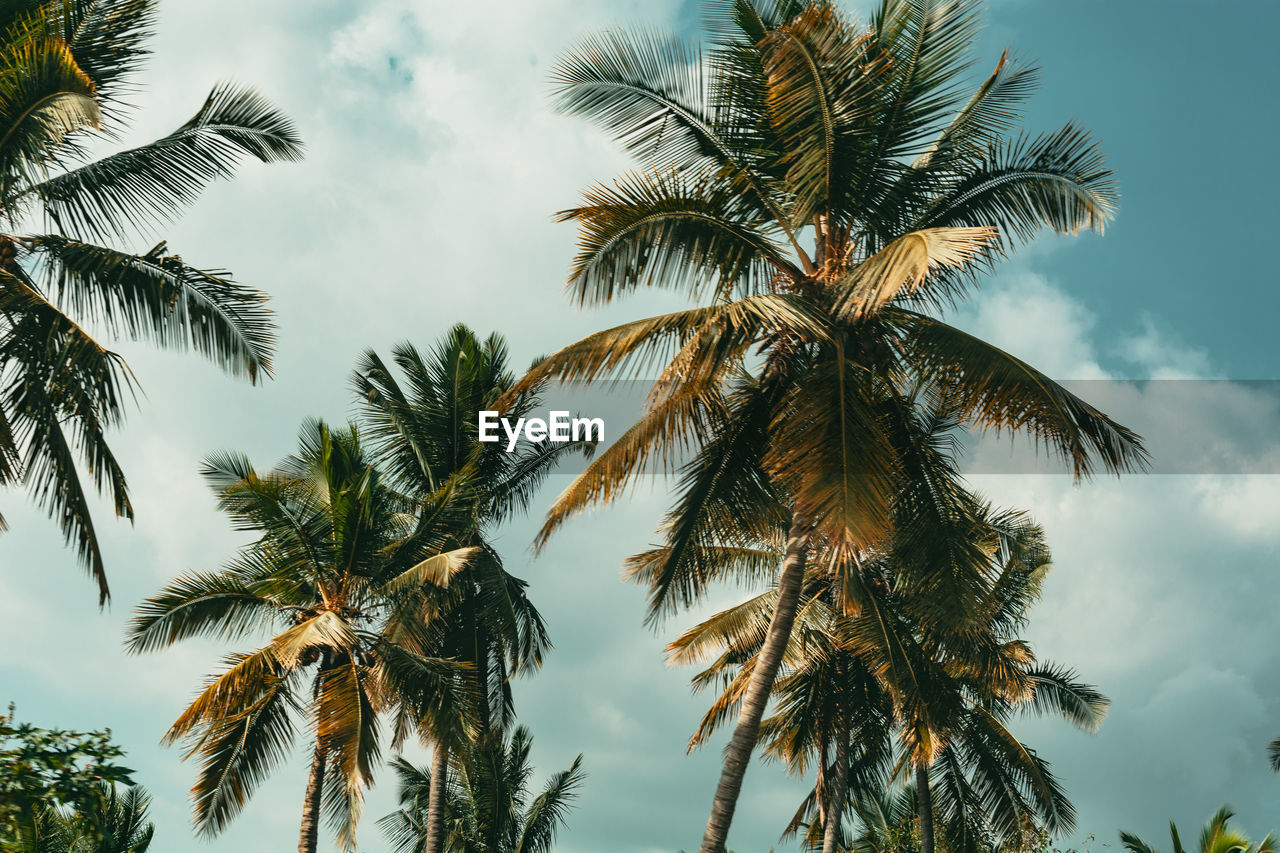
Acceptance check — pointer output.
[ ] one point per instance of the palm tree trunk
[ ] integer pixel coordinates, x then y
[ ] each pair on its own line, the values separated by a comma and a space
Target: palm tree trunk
925, 802
311, 803
435, 798
837, 789
746, 732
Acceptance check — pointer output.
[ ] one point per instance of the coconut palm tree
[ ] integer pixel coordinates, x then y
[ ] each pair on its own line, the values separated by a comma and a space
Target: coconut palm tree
423, 429
852, 675
820, 188
1273, 754
343, 569
117, 823
67, 70
888, 821
488, 809
1216, 837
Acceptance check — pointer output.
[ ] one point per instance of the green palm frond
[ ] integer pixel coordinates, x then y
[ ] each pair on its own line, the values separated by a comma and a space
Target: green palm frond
1058, 181
108, 39
159, 297
207, 604
150, 185
686, 231
647, 91
1058, 691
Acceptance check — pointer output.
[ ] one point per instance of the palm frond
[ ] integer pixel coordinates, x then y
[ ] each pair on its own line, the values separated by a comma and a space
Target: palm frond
902, 267
685, 231
159, 297
549, 811
1058, 691
150, 185
1058, 181
44, 97
199, 604
994, 390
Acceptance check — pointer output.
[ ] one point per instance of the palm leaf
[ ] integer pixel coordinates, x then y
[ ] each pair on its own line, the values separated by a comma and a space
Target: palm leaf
994, 390
150, 185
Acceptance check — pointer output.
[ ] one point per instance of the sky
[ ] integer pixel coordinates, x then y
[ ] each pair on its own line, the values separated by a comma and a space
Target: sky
434, 163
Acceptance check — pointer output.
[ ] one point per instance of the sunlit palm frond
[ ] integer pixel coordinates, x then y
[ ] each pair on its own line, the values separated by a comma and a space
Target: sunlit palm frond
819, 101
44, 97
902, 267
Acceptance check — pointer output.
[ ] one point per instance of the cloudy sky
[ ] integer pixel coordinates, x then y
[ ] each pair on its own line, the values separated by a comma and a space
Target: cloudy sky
433, 166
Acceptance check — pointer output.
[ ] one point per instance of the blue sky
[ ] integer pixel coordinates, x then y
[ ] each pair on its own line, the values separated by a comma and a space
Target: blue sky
434, 163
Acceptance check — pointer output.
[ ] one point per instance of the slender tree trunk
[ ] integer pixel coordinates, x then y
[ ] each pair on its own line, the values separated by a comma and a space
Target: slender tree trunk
435, 801
746, 732
311, 803
925, 802
837, 790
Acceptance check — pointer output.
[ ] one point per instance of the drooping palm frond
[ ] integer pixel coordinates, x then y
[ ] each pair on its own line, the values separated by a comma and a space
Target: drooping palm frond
150, 185
159, 297
682, 230
994, 390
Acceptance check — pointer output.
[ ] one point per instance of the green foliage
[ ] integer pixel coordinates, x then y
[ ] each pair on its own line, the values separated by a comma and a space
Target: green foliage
42, 769
66, 71
115, 823
1217, 836
487, 799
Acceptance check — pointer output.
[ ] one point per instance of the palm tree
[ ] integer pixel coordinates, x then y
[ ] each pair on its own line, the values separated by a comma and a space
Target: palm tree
1273, 754
852, 674
423, 429
888, 821
1216, 837
488, 809
799, 128
116, 824
66, 78
343, 569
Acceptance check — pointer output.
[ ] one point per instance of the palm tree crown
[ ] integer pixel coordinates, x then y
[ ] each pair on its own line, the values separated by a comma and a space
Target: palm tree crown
488, 808
66, 72
861, 665
344, 572
422, 418
1216, 837
117, 823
